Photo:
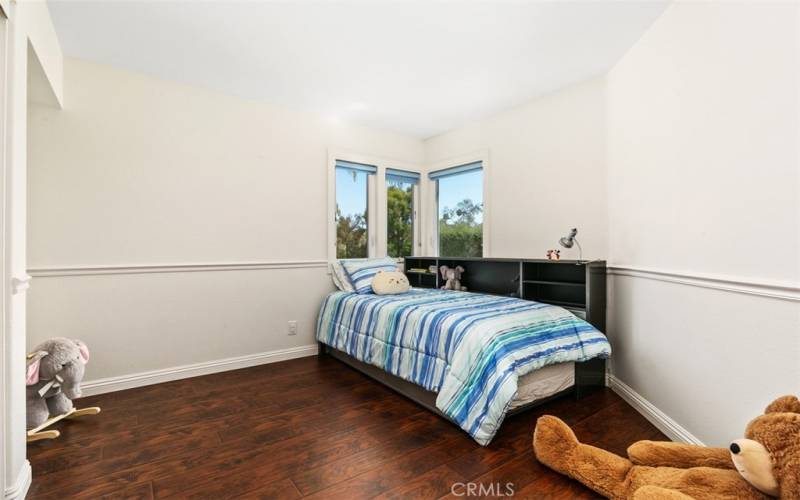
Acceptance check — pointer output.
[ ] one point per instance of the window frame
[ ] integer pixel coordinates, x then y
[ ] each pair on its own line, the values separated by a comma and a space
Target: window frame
431, 208
370, 184
377, 222
416, 209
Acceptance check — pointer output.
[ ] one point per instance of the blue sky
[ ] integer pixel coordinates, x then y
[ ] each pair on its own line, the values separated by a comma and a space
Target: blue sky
460, 187
351, 195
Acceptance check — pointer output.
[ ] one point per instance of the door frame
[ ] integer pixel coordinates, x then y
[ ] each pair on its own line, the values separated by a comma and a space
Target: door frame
15, 470
5, 487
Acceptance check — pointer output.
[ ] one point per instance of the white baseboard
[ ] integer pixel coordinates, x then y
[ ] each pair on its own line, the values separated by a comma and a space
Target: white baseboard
661, 420
19, 489
112, 384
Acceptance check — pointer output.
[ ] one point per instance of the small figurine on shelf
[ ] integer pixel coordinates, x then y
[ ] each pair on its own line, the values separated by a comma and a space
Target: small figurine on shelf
554, 255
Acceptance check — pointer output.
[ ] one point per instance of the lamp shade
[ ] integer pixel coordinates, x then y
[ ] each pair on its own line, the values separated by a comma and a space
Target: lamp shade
569, 240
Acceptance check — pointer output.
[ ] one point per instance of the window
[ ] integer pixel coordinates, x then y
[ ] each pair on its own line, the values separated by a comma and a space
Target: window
353, 181
373, 207
459, 199
401, 212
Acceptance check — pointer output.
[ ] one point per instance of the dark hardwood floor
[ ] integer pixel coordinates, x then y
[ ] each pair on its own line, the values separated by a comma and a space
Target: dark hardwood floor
308, 427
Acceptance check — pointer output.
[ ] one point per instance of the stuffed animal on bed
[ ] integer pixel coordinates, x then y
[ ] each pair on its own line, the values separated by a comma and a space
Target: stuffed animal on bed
390, 283
53, 377
452, 277
766, 464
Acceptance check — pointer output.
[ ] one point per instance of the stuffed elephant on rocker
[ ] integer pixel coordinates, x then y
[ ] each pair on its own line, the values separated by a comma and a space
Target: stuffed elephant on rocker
53, 377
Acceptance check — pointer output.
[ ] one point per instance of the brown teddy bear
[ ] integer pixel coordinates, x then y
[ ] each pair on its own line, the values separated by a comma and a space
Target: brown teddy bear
766, 464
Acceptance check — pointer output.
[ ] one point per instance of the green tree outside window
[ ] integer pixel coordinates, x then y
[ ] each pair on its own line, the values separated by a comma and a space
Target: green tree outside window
400, 218
460, 233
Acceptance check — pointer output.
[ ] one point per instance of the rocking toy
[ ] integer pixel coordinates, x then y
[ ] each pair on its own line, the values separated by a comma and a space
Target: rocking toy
38, 433
54, 372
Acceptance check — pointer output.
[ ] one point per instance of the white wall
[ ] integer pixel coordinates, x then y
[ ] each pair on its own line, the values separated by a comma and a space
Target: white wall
704, 183
547, 171
139, 171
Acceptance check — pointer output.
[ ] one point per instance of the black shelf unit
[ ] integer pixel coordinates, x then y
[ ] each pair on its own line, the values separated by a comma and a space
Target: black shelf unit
579, 286
421, 279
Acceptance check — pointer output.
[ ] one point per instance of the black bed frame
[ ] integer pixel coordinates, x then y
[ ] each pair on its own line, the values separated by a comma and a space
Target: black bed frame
577, 286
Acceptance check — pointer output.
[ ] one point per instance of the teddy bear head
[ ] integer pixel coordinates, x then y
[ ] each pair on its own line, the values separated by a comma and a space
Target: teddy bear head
769, 456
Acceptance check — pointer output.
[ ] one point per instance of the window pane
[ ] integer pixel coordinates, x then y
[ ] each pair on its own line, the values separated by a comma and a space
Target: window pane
399, 216
351, 213
460, 199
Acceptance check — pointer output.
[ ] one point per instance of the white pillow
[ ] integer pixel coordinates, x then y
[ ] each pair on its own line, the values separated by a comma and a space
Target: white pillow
361, 272
340, 277
335, 278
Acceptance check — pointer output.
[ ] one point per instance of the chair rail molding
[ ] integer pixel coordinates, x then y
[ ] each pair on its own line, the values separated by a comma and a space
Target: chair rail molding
19, 285
181, 267
771, 289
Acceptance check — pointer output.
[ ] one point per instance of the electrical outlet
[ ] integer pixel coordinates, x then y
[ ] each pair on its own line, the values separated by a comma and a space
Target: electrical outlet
292, 327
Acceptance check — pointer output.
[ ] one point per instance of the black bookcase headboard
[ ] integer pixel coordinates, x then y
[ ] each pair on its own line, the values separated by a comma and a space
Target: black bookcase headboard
577, 286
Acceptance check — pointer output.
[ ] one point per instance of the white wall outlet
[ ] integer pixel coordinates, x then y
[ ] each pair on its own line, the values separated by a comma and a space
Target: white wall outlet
292, 329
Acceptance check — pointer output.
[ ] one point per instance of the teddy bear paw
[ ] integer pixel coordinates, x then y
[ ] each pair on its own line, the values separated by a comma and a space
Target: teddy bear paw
553, 442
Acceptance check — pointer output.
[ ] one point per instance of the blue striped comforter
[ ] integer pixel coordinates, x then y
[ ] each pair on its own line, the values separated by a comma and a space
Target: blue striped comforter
469, 348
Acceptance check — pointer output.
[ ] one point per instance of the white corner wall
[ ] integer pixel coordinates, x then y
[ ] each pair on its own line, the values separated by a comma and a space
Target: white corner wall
44, 42
137, 171
704, 211
547, 171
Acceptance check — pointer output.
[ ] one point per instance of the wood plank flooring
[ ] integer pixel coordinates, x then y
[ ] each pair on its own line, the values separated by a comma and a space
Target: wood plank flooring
310, 427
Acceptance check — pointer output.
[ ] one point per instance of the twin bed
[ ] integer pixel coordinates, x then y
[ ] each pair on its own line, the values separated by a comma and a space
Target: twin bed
473, 358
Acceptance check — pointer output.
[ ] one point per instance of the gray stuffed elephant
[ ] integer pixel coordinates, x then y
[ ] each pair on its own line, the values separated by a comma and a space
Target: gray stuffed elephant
452, 277
53, 378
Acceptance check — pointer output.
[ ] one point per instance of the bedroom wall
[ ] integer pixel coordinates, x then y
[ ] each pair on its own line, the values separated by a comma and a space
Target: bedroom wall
704, 232
547, 171
142, 178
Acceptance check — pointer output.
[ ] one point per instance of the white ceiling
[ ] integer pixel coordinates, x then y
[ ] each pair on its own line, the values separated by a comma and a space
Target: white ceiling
419, 68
